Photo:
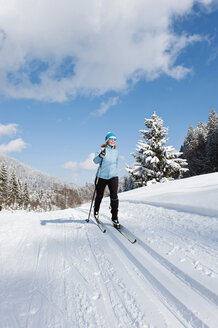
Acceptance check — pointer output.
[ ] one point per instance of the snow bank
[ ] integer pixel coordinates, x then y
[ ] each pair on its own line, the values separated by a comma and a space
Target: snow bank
197, 195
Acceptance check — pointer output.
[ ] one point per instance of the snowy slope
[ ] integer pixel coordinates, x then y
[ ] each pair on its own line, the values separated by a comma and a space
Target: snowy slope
58, 271
35, 179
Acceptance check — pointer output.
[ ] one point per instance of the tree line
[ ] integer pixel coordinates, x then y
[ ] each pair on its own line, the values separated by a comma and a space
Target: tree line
14, 195
200, 147
155, 162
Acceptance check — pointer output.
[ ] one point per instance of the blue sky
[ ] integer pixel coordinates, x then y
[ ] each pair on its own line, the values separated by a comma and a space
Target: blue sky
66, 82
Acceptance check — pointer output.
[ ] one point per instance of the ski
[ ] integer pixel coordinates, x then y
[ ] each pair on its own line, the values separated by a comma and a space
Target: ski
99, 224
121, 230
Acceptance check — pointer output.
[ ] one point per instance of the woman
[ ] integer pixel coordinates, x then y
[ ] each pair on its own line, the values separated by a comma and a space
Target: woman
108, 176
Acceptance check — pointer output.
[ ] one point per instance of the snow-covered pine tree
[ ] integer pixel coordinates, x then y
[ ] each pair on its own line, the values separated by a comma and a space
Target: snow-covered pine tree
187, 141
13, 194
26, 197
3, 184
186, 148
200, 137
128, 183
200, 147
20, 193
212, 142
194, 149
154, 161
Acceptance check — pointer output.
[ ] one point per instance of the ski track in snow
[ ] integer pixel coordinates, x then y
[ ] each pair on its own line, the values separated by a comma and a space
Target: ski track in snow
203, 290
59, 271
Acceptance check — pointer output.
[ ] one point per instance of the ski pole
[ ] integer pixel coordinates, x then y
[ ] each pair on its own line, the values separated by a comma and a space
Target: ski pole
96, 182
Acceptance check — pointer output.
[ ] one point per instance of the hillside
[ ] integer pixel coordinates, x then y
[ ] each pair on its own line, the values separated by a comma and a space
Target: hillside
35, 179
59, 271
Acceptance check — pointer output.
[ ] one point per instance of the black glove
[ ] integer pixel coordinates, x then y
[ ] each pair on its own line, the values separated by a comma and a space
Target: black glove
102, 153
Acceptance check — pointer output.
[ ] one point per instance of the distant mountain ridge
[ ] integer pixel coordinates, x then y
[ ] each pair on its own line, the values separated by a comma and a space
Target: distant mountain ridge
34, 178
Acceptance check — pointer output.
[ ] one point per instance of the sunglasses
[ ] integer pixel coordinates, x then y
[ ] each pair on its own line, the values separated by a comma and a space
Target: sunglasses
111, 138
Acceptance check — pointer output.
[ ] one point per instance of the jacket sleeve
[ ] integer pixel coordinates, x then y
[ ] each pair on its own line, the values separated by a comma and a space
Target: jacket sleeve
97, 159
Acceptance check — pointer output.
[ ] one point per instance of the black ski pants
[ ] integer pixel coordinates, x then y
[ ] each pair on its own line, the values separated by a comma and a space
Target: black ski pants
113, 188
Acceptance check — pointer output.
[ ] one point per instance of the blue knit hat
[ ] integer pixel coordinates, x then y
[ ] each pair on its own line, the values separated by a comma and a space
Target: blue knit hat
109, 135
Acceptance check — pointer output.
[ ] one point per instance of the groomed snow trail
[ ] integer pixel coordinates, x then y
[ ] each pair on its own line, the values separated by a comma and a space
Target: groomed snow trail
56, 270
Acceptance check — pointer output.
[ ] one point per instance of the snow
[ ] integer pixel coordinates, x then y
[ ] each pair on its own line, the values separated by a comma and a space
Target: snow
58, 271
34, 178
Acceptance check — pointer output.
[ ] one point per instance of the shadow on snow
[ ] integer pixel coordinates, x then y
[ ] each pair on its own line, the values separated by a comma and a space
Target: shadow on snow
61, 221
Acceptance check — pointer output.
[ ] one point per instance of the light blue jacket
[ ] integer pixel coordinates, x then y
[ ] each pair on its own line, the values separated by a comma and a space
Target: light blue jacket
109, 167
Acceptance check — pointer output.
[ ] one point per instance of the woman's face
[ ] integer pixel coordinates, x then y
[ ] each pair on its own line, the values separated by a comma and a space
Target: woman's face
112, 141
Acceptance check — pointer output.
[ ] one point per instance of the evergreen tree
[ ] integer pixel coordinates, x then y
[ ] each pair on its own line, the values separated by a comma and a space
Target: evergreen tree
187, 139
212, 142
154, 161
20, 194
194, 149
200, 137
13, 196
186, 149
200, 147
128, 184
3, 184
26, 197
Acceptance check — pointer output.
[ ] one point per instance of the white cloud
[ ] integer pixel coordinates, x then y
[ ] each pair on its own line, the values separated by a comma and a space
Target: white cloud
8, 130
89, 46
70, 166
213, 55
87, 164
13, 146
105, 106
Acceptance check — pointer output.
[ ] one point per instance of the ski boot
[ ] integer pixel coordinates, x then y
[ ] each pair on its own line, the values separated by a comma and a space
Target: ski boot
116, 223
96, 216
